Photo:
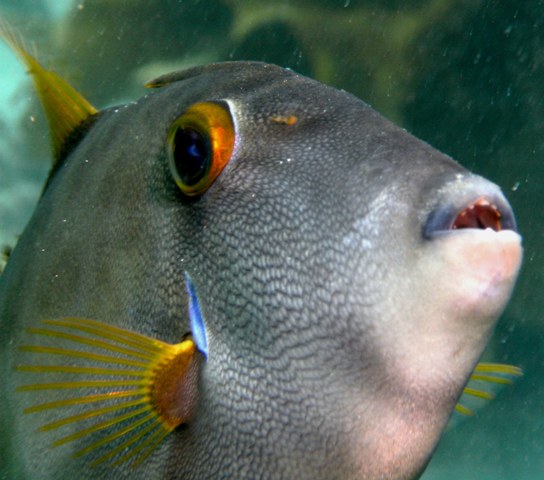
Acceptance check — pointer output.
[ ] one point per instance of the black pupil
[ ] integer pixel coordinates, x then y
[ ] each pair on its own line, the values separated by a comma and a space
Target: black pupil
191, 155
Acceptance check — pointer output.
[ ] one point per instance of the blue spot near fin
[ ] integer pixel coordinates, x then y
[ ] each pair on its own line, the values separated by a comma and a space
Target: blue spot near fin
196, 320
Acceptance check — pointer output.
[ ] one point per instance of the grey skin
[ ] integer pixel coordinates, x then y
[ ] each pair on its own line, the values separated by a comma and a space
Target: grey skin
335, 351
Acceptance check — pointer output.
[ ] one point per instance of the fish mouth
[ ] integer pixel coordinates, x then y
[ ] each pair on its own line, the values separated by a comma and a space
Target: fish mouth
480, 214
471, 210
473, 234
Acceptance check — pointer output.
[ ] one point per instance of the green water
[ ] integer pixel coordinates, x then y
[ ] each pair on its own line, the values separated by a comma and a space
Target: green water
467, 76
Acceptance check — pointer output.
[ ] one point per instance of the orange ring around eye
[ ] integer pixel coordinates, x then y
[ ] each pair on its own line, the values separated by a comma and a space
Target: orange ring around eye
213, 121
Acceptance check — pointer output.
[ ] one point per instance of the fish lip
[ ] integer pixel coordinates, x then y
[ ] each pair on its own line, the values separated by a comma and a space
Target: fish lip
488, 209
505, 235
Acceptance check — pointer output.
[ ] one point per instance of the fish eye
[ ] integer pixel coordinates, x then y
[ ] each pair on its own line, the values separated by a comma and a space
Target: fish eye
200, 144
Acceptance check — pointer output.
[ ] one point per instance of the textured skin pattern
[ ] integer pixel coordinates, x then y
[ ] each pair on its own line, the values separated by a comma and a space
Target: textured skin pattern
293, 251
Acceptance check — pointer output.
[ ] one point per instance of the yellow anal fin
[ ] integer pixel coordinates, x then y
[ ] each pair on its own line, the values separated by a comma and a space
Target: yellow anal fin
123, 390
65, 109
487, 374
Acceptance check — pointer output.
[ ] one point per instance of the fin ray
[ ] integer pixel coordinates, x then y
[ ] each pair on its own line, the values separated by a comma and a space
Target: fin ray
84, 370
491, 379
478, 393
464, 410
81, 384
88, 341
146, 447
80, 354
65, 109
102, 425
499, 368
487, 373
90, 414
110, 332
151, 394
112, 453
82, 400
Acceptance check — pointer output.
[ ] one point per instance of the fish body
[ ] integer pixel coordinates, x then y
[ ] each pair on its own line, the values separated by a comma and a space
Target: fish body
345, 300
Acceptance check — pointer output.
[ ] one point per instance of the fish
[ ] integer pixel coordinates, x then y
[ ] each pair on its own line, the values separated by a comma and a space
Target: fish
245, 273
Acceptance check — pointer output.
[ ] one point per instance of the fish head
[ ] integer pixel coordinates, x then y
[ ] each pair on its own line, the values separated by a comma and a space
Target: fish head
349, 274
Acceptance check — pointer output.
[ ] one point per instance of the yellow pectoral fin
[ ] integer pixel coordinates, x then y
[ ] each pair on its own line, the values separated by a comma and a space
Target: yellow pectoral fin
64, 107
486, 374
141, 388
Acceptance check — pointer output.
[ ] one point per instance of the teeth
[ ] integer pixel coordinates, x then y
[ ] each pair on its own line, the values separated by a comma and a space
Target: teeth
481, 214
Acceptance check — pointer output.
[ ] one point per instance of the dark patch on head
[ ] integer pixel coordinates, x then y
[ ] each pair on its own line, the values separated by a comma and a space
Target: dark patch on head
70, 144
4, 256
178, 76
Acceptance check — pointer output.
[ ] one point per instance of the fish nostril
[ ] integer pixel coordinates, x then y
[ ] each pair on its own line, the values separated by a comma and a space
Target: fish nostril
480, 214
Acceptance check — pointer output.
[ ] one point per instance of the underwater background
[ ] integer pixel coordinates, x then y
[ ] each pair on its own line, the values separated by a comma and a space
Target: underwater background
467, 76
